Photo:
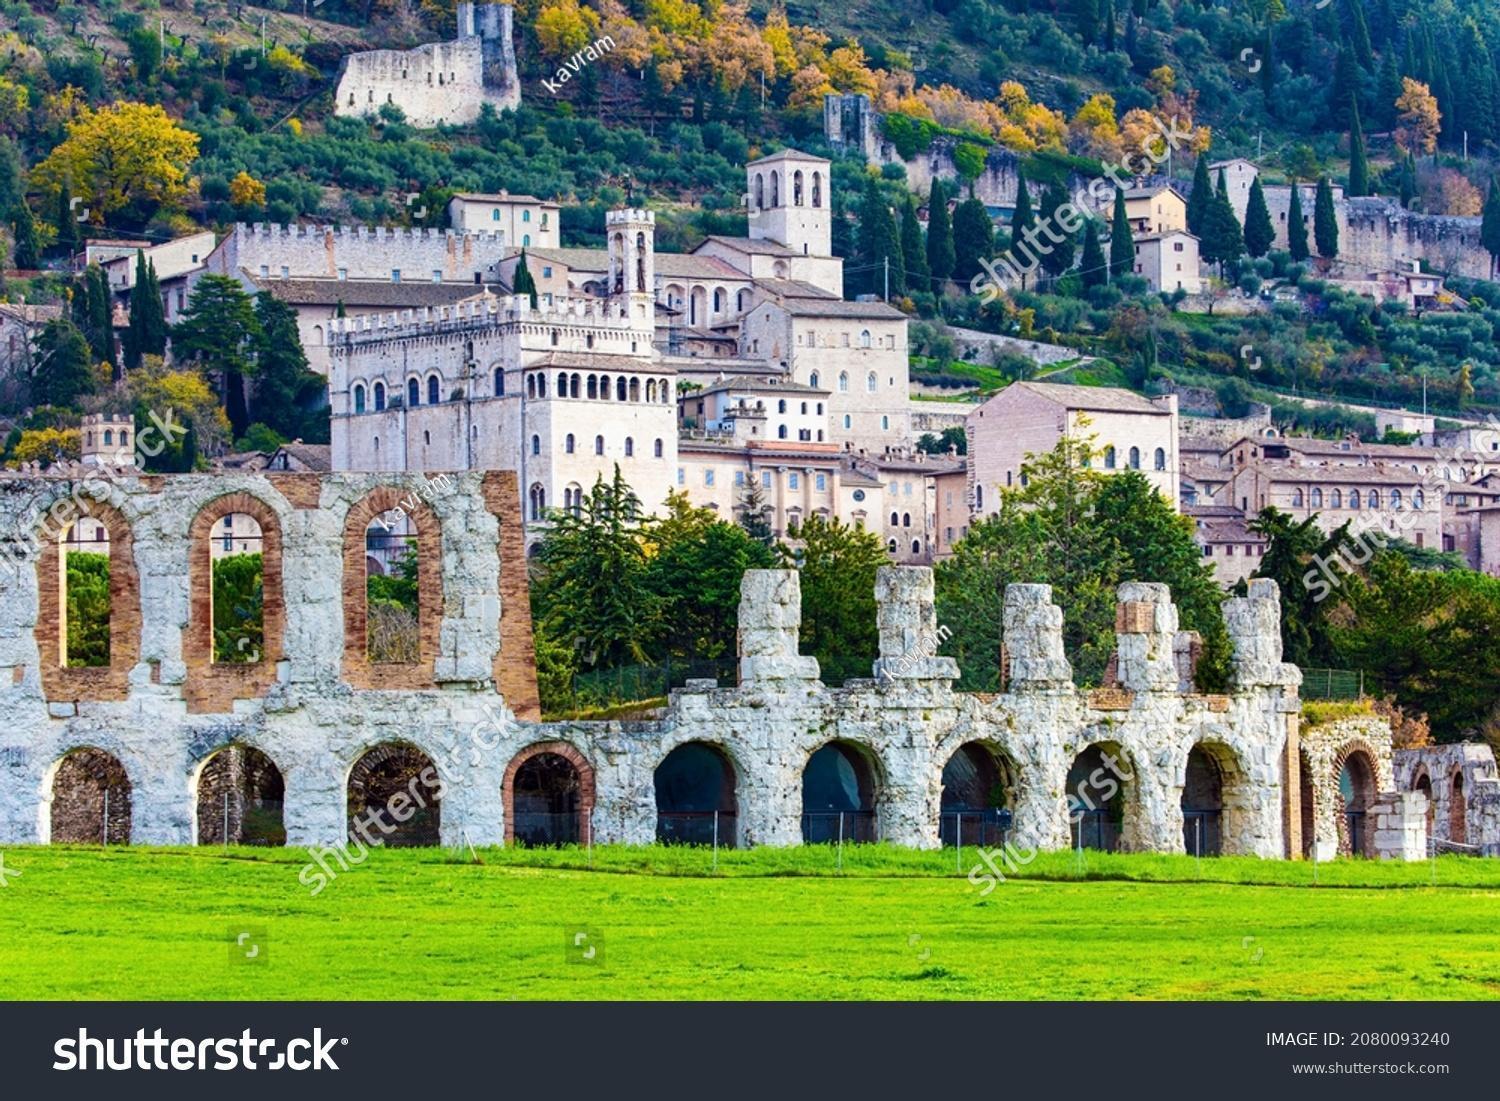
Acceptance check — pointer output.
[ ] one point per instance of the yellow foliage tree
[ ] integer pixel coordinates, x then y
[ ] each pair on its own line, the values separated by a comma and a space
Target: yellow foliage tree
778, 36
47, 446
563, 27
1418, 121
632, 45
121, 155
848, 71
1094, 131
809, 85
246, 190
736, 49
14, 101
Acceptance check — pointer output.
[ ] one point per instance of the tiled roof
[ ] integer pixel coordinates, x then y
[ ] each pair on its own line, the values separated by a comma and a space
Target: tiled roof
750, 246
1102, 399
355, 293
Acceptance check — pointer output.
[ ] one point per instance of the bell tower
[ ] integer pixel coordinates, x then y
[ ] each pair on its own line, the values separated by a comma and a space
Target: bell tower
631, 235
789, 202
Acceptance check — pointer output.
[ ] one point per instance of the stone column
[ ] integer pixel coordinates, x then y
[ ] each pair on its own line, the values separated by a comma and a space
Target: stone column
1400, 825
1033, 640
1146, 635
770, 622
909, 631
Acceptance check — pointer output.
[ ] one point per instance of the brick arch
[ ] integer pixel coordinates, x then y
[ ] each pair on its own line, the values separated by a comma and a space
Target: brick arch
1237, 797
568, 753
213, 686
514, 667
380, 773
1458, 806
358, 670
104, 682
1355, 749
80, 813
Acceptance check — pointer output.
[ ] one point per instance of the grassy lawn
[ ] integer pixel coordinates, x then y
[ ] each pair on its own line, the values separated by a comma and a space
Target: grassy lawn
770, 923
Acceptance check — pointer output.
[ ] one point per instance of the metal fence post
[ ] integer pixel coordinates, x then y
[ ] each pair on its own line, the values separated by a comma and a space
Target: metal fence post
841, 841
716, 841
106, 817
226, 819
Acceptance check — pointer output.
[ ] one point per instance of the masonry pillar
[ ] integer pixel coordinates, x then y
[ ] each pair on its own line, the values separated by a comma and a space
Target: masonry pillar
1145, 644
770, 625
1041, 686
909, 633
1254, 625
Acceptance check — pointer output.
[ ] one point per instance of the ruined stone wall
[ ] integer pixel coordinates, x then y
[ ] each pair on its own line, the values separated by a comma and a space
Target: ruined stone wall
1465, 791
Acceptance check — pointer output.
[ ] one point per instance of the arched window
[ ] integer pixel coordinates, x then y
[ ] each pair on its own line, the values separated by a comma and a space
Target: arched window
562, 385
1354, 498
620, 388
664, 388
1296, 498
593, 386
499, 382
1374, 498
629, 447
568, 444
109, 438
797, 188
781, 431
760, 192
1161, 459
871, 382
541, 385
775, 189
906, 519
1316, 497
432, 390
651, 389
574, 387
843, 382
359, 397
657, 449
1418, 499
864, 338
1396, 499
812, 380
1109, 458
598, 445
635, 389
536, 445
719, 299
895, 519
538, 500
1335, 499
413, 393
525, 215
781, 406
817, 189
604, 390
531, 386
1135, 458
379, 396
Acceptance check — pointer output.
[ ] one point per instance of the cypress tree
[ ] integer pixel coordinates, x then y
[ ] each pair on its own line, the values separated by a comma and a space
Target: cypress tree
1408, 180
1121, 245
65, 223
1325, 224
523, 282
1489, 226
1260, 234
1359, 168
1199, 199
1359, 33
1296, 230
1343, 89
939, 236
1222, 239
27, 256
1389, 90
913, 249
1268, 70
1021, 222
147, 333
1094, 268
1060, 259
973, 238
879, 244
1109, 26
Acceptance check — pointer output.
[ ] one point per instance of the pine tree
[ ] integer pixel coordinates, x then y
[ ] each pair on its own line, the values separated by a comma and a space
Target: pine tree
147, 332
1489, 226
27, 255
62, 371
913, 248
939, 236
283, 383
1060, 258
1199, 199
1094, 268
1121, 244
879, 244
65, 223
752, 515
1260, 234
1359, 34
1325, 223
1296, 228
973, 238
1359, 168
220, 331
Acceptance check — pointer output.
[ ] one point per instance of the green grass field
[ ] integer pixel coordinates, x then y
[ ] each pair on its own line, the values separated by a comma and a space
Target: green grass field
769, 923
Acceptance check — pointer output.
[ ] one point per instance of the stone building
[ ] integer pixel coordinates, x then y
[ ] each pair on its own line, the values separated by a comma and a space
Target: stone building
441, 83
1130, 432
1168, 261
1462, 792
524, 219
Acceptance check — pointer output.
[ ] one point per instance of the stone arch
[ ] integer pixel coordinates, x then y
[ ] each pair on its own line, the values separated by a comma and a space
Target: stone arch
90, 799
841, 789
101, 682
697, 795
394, 797
212, 686
550, 812
1355, 781
1103, 808
240, 798
1423, 783
1458, 809
358, 670
1217, 803
979, 787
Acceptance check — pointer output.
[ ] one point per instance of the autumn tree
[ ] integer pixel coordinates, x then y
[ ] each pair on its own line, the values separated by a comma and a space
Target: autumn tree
1418, 121
125, 161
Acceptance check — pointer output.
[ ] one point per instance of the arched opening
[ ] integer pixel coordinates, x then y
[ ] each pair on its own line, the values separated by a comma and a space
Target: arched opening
241, 796
978, 796
359, 398
90, 800
392, 610
395, 797
85, 597
1097, 787
838, 795
548, 793
1202, 804
1457, 810
413, 393
695, 799
433, 394
1356, 787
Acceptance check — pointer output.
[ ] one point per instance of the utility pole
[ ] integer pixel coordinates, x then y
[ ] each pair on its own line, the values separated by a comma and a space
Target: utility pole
887, 279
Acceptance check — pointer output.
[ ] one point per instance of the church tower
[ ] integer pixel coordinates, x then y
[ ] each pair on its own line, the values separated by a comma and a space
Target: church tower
789, 201
631, 235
